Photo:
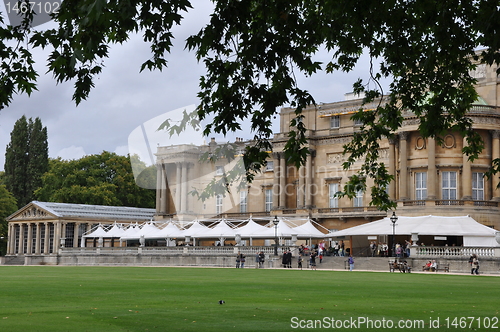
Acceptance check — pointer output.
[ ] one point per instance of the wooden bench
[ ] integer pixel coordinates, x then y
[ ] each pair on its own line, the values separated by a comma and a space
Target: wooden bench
443, 267
399, 266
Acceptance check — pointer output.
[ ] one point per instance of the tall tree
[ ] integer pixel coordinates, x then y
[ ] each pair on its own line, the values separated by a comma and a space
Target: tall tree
253, 49
8, 206
100, 179
26, 159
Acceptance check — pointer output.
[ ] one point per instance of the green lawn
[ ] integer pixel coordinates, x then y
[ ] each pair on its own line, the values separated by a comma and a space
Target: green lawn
61, 298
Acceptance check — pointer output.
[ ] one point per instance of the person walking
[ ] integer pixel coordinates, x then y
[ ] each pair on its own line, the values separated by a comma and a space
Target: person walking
257, 260
313, 260
242, 260
475, 265
238, 260
261, 259
299, 262
350, 260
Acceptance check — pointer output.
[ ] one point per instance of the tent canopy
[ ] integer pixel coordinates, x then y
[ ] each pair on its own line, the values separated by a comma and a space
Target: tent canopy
425, 225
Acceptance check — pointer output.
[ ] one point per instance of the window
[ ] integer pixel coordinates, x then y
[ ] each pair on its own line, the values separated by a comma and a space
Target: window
270, 166
358, 122
219, 170
449, 185
335, 122
358, 200
218, 204
269, 200
243, 201
478, 186
420, 186
333, 189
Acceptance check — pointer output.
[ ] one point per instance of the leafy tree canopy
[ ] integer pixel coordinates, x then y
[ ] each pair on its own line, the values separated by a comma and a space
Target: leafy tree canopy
252, 50
26, 159
104, 179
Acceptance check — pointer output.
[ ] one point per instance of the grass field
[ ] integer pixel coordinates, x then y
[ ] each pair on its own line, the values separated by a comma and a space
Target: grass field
61, 298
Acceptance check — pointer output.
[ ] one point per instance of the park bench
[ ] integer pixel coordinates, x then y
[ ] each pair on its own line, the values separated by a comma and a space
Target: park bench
439, 267
400, 266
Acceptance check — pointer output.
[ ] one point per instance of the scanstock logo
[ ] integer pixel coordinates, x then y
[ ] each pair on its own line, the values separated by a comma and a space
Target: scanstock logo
42, 10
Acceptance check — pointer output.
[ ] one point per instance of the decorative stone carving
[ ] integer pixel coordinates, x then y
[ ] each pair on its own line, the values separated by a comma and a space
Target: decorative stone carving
420, 143
449, 141
33, 213
336, 140
340, 158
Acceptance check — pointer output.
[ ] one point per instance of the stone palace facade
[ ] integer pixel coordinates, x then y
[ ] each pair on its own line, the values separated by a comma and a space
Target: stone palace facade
430, 178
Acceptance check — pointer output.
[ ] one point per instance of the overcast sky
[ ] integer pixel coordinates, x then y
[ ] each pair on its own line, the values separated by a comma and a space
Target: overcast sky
124, 99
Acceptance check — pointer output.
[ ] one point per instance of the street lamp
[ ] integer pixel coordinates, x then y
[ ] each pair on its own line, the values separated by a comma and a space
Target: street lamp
275, 222
394, 218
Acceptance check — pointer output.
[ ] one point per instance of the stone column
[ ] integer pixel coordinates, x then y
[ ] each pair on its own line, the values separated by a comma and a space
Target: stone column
57, 236
495, 154
11, 239
300, 191
308, 180
159, 177
38, 239
432, 179
392, 168
403, 166
282, 203
46, 243
163, 189
184, 190
20, 248
178, 188
276, 180
63, 233
466, 176
75, 234
30, 239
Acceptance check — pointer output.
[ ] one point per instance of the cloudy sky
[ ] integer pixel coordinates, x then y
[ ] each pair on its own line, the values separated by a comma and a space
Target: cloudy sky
124, 99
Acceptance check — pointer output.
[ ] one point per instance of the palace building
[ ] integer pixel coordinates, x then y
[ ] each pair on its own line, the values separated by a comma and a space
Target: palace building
429, 179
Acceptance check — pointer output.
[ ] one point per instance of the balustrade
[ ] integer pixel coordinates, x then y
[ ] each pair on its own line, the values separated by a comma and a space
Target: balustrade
452, 251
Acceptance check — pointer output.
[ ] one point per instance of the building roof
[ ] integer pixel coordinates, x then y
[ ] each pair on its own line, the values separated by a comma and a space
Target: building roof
112, 213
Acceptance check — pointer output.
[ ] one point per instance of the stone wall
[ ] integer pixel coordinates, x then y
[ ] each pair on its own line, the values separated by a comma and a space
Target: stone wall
487, 265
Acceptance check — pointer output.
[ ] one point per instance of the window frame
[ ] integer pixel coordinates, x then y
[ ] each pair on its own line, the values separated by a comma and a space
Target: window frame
420, 190
448, 191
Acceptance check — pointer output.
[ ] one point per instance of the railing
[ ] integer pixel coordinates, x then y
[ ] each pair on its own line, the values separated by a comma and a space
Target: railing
350, 209
187, 250
449, 202
414, 203
452, 251
486, 203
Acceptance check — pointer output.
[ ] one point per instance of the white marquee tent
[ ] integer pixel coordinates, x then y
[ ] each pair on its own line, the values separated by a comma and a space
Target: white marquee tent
473, 233
221, 229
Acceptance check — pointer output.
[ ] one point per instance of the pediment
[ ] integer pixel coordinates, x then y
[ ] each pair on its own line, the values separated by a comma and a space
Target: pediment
31, 212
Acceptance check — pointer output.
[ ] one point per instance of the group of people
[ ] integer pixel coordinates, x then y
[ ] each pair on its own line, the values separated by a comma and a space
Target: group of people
240, 260
287, 259
402, 266
430, 266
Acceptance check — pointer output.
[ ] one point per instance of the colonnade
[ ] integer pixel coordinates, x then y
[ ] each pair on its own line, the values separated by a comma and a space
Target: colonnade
43, 237
165, 189
433, 183
305, 181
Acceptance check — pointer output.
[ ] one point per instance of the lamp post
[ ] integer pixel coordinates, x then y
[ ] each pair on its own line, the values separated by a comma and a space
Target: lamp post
275, 222
394, 218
